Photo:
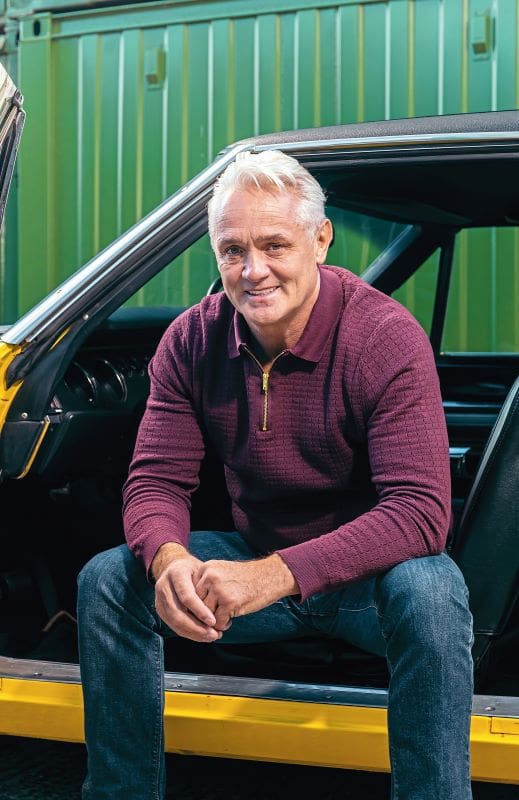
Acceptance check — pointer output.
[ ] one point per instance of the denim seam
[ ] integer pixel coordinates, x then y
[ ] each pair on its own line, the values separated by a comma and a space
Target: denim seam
158, 731
157, 754
392, 756
337, 611
357, 610
384, 621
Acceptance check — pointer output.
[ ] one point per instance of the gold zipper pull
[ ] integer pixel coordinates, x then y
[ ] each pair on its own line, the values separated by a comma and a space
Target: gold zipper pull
265, 388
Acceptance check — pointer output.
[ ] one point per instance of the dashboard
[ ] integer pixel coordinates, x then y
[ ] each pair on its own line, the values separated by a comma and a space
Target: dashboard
96, 408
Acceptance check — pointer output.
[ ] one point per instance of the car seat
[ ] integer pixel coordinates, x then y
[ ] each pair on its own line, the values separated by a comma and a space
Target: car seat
486, 542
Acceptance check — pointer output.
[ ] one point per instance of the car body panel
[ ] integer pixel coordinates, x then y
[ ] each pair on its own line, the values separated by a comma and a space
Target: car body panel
312, 732
8, 352
12, 119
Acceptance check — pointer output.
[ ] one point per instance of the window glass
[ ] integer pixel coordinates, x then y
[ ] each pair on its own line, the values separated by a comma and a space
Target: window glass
483, 304
419, 291
358, 238
183, 282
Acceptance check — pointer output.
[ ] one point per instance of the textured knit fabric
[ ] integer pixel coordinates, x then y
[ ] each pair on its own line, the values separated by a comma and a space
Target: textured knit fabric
359, 386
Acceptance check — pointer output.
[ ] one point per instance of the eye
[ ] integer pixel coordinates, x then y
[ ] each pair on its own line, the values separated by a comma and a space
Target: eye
232, 251
275, 246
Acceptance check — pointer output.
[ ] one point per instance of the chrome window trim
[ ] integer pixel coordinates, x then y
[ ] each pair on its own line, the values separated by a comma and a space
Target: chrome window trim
412, 140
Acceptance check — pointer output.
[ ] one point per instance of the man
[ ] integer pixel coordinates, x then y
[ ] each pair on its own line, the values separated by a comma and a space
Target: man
293, 373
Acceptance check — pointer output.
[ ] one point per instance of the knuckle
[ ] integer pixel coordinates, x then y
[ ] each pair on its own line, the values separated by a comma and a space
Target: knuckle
182, 594
223, 606
208, 576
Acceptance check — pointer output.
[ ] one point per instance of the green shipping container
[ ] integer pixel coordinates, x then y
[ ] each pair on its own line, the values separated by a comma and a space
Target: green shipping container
9, 231
125, 103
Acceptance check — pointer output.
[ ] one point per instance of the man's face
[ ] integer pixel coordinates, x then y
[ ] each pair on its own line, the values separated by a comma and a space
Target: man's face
268, 261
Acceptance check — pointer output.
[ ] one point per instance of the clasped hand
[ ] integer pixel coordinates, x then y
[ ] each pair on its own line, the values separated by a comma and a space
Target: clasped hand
198, 600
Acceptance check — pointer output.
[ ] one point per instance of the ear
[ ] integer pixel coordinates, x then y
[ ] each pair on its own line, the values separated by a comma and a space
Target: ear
323, 239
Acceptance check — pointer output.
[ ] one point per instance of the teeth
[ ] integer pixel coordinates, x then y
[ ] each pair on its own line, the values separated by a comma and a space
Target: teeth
256, 292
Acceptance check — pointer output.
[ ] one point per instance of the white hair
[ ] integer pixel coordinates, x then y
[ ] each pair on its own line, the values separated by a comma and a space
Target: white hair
271, 171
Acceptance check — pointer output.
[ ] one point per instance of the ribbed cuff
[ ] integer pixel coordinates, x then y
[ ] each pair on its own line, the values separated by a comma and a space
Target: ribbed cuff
306, 567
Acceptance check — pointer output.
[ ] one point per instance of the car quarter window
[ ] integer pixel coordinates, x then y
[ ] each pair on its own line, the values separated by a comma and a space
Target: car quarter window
483, 303
358, 238
419, 291
183, 282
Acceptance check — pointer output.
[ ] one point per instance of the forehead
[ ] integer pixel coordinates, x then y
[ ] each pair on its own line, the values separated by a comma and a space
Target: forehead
255, 210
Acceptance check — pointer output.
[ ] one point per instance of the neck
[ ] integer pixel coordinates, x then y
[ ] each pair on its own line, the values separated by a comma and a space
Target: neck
268, 344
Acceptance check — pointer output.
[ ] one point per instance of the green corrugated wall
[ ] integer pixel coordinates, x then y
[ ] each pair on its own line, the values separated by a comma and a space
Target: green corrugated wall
9, 232
125, 103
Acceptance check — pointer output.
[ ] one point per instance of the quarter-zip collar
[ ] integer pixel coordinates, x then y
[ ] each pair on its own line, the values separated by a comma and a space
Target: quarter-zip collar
322, 322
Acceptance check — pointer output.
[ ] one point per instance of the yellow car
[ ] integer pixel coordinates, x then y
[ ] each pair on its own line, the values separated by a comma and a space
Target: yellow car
432, 205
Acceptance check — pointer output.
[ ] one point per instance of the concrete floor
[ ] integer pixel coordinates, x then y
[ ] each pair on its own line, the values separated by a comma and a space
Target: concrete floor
35, 770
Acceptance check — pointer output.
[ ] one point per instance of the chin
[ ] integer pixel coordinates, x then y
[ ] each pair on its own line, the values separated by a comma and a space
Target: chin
265, 315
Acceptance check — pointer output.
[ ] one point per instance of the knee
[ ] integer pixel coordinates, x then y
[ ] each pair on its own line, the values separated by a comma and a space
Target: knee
104, 574
427, 599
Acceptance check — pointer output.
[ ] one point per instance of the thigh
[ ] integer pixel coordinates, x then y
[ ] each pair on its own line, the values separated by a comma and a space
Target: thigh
430, 592
350, 614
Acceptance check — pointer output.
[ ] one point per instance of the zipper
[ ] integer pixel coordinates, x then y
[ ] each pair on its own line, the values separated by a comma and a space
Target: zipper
265, 388
265, 375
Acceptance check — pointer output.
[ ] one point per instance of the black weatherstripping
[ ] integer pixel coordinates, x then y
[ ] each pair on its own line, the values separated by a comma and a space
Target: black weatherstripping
404, 256
486, 542
442, 293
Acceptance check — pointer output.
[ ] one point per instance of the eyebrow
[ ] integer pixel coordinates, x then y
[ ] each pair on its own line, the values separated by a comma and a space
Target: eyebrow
278, 237
228, 240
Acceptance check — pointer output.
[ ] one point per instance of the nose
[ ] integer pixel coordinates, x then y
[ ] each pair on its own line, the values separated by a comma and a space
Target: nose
255, 266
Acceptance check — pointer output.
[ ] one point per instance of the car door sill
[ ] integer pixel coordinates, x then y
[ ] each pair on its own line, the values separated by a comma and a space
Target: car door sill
258, 688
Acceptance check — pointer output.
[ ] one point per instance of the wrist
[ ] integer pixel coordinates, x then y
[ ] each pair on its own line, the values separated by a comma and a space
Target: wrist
166, 553
285, 578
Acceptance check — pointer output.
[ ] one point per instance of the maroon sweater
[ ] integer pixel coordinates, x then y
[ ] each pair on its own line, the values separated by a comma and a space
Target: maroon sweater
360, 384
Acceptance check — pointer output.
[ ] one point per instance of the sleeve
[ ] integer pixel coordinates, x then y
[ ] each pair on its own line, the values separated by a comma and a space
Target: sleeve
165, 467
397, 392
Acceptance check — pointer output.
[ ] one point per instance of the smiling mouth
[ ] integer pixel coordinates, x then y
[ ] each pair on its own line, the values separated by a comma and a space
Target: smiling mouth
261, 292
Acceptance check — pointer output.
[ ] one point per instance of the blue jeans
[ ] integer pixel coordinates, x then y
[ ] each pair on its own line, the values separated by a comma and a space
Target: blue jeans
416, 614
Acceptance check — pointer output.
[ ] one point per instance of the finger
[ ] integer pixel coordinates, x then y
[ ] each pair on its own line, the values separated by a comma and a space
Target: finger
182, 621
215, 598
223, 618
202, 592
210, 600
190, 626
207, 585
178, 617
214, 603
187, 596
223, 623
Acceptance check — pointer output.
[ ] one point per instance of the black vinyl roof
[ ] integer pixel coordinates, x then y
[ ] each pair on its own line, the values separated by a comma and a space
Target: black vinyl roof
481, 122
458, 189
